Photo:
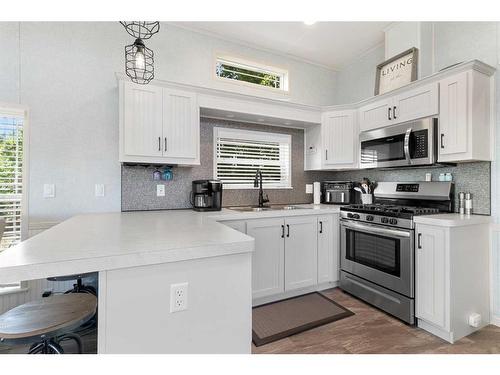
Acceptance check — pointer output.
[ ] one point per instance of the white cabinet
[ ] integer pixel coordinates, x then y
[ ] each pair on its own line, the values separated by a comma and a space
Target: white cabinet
464, 117
432, 275
406, 106
268, 258
142, 121
328, 248
301, 252
452, 278
339, 132
158, 125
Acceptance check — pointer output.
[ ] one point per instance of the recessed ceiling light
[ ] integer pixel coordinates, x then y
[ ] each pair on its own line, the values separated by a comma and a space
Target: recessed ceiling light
309, 23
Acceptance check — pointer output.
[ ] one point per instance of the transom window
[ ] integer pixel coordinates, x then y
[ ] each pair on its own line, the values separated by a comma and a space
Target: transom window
240, 153
251, 73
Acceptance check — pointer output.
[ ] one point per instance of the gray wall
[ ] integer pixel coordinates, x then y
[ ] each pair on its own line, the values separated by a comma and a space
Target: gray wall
468, 177
139, 188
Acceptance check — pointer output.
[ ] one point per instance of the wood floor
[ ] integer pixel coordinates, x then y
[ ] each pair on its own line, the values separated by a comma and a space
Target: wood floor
372, 331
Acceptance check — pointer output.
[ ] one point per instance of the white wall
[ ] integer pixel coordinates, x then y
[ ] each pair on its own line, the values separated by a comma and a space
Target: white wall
65, 74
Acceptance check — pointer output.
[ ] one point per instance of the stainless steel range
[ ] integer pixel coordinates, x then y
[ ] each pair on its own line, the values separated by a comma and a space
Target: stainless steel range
378, 243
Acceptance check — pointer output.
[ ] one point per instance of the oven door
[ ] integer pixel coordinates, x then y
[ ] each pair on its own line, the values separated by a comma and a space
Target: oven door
382, 255
410, 143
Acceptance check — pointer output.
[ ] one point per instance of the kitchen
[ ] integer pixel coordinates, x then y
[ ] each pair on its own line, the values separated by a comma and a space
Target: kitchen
291, 222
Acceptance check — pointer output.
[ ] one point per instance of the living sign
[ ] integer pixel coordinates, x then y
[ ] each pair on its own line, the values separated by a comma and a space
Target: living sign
396, 72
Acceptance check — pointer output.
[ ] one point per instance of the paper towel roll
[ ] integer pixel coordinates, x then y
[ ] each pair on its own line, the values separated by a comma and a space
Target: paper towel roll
317, 192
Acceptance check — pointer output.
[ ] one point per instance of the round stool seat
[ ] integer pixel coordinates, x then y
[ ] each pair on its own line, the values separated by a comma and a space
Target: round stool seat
70, 277
47, 317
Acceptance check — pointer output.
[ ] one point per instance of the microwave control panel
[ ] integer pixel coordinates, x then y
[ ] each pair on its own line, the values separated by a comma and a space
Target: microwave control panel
420, 142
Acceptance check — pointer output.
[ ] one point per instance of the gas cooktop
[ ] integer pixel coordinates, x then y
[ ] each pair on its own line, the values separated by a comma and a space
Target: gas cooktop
406, 212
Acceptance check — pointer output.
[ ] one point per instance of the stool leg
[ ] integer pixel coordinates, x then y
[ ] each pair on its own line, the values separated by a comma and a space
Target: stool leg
74, 337
54, 348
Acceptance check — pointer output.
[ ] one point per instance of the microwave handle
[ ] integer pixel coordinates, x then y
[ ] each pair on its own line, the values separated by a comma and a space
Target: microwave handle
407, 145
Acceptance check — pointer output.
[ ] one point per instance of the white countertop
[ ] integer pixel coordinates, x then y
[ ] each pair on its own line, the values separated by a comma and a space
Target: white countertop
452, 220
97, 242
106, 241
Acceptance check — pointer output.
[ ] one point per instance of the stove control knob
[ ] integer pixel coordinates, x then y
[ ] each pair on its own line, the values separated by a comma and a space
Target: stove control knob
369, 218
355, 216
393, 221
384, 220
349, 215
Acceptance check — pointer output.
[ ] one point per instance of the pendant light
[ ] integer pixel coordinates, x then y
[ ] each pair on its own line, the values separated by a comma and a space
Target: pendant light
139, 60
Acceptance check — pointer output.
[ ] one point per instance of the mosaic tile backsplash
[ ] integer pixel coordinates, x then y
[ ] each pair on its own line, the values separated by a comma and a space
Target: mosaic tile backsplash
139, 188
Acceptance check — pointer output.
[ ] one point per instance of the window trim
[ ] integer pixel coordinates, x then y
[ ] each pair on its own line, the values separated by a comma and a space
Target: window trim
256, 135
21, 110
257, 65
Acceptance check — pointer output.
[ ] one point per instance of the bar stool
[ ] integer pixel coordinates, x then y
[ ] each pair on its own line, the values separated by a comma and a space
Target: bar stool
45, 323
78, 287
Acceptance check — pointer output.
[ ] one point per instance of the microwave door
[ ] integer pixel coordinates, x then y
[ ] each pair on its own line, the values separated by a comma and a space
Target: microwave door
383, 152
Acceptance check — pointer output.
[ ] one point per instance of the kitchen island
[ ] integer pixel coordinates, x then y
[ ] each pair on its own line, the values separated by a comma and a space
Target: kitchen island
138, 256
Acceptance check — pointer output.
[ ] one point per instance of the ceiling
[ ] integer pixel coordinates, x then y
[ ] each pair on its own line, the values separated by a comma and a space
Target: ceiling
330, 44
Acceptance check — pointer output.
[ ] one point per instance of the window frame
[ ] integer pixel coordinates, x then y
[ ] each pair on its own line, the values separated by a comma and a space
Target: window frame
248, 64
255, 135
22, 111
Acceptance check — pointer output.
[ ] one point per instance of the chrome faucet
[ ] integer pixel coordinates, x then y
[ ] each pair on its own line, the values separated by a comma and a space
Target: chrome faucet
258, 176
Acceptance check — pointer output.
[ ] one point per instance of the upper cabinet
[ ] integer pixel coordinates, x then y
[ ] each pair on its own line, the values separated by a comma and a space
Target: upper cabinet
158, 125
406, 106
464, 117
339, 133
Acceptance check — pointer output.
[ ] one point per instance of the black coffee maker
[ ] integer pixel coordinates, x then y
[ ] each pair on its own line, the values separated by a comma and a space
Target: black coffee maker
206, 195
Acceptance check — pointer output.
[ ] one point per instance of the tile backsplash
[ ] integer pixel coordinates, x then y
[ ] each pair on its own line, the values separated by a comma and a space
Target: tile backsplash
139, 188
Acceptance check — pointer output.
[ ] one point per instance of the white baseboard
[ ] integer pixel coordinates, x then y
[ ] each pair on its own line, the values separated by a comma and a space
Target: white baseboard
495, 320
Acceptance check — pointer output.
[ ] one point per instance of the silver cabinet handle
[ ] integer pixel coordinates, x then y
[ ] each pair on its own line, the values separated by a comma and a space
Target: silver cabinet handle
419, 241
326, 154
159, 143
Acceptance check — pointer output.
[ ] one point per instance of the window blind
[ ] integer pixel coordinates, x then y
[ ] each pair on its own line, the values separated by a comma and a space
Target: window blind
11, 178
240, 153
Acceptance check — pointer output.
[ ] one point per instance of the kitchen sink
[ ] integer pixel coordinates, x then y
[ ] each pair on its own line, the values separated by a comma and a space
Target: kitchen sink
277, 207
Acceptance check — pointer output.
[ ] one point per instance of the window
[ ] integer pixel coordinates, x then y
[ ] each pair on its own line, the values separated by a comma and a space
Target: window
240, 153
11, 182
251, 73
11, 178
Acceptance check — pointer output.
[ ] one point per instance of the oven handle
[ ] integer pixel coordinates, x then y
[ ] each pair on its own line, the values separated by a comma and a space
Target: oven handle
376, 229
407, 145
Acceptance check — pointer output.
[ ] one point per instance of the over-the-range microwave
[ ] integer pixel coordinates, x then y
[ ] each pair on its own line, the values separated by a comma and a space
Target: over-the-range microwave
407, 144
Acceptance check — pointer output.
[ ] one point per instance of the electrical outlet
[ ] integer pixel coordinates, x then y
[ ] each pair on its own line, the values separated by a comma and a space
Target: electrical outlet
99, 190
49, 191
178, 297
160, 190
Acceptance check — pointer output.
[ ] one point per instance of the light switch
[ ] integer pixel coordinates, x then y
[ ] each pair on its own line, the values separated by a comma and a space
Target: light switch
160, 190
49, 190
309, 188
99, 190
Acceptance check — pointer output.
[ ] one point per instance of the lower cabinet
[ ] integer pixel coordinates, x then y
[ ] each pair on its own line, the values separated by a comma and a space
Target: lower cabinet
292, 253
301, 252
452, 278
328, 248
268, 258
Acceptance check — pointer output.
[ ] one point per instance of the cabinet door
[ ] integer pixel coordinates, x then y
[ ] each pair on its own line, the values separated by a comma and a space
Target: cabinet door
268, 257
142, 120
414, 104
432, 273
328, 248
453, 114
301, 252
181, 124
375, 115
340, 137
